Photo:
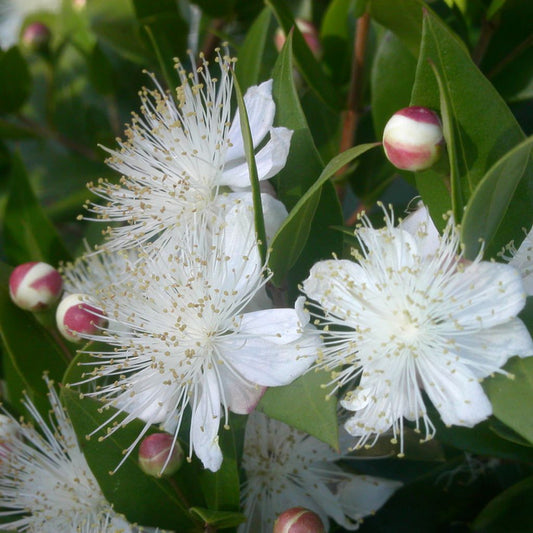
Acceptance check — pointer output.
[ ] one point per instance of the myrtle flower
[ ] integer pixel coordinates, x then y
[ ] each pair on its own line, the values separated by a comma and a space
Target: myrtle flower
287, 468
46, 484
522, 259
181, 159
411, 316
183, 336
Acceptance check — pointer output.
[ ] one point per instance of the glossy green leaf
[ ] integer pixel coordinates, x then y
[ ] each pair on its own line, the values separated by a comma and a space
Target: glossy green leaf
310, 410
101, 72
28, 234
488, 207
470, 113
507, 394
30, 348
249, 62
143, 499
252, 170
307, 64
509, 511
218, 519
16, 80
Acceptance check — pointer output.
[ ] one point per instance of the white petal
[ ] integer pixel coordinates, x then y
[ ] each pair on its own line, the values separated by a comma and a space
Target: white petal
260, 108
364, 495
269, 161
455, 392
523, 261
489, 349
239, 396
279, 326
205, 424
335, 285
487, 294
420, 224
270, 364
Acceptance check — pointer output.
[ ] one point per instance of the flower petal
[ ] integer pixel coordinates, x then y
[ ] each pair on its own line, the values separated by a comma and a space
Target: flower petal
420, 224
279, 326
487, 294
239, 396
269, 161
455, 392
205, 423
260, 108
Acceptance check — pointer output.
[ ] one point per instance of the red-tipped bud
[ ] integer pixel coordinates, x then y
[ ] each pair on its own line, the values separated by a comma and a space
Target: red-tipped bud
77, 315
36, 36
159, 456
309, 33
298, 520
413, 138
35, 286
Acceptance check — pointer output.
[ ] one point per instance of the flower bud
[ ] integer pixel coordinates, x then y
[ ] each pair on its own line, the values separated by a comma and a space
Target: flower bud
35, 286
77, 315
413, 138
36, 36
309, 33
154, 453
298, 520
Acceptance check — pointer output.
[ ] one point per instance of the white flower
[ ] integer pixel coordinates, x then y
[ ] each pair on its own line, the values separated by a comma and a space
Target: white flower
13, 13
183, 336
287, 468
522, 259
181, 159
410, 316
45, 482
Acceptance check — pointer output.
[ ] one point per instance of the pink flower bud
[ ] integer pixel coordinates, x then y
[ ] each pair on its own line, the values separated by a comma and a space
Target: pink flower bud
36, 36
35, 286
298, 520
309, 33
154, 453
77, 315
413, 138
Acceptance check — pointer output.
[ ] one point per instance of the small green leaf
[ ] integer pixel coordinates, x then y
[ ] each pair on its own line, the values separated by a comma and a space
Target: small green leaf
16, 80
251, 52
252, 169
509, 511
309, 411
218, 519
101, 72
507, 394
143, 499
488, 207
28, 234
30, 348
308, 65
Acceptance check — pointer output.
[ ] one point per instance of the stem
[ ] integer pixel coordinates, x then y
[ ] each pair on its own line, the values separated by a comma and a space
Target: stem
49, 133
212, 39
488, 28
355, 93
179, 493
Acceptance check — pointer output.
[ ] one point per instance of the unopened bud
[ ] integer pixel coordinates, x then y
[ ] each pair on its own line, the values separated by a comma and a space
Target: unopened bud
309, 33
298, 520
413, 138
77, 315
159, 455
36, 36
35, 286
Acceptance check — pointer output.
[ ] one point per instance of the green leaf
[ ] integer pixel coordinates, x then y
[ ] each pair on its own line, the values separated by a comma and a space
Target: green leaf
506, 395
28, 234
307, 64
216, 8
30, 349
488, 207
252, 169
101, 72
309, 411
252, 50
218, 519
16, 80
222, 488
473, 107
143, 499
509, 511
